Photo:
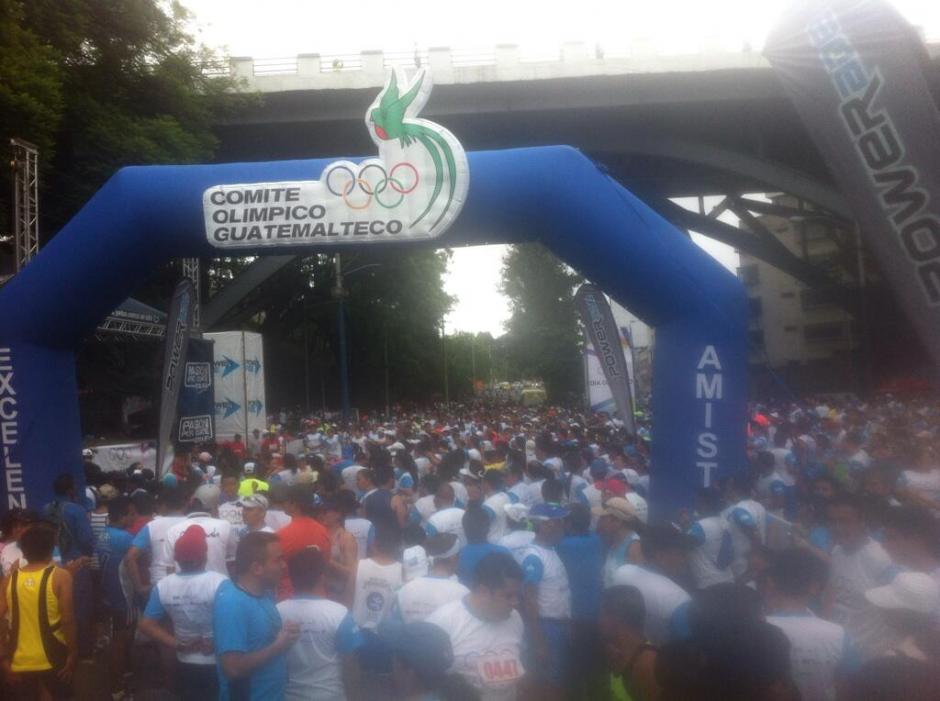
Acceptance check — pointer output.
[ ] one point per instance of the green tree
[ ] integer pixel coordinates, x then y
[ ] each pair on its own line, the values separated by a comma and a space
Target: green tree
395, 304
103, 84
471, 357
542, 339
31, 100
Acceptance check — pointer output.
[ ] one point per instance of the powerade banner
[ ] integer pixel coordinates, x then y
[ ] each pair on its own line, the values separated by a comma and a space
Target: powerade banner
238, 369
195, 422
178, 327
412, 191
604, 336
854, 70
599, 396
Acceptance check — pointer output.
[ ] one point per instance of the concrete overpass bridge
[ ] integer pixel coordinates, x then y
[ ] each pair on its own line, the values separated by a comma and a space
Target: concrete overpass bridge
695, 125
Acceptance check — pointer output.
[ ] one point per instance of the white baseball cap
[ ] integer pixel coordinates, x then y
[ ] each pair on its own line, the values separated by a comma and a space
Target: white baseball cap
88, 453
474, 454
639, 505
516, 512
254, 501
910, 591
249, 468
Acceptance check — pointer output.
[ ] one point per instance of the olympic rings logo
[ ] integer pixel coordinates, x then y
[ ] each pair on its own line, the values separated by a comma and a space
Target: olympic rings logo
374, 183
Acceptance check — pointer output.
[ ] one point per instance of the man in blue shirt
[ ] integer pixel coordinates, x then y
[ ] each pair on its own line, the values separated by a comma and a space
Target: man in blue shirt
116, 588
547, 603
582, 553
476, 527
250, 640
75, 541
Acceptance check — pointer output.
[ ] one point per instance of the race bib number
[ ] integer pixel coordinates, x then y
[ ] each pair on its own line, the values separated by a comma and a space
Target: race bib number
499, 669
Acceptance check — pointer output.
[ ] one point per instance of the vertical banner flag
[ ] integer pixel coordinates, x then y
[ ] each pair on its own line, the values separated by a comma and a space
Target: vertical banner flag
255, 410
196, 405
239, 383
603, 335
855, 72
178, 327
599, 396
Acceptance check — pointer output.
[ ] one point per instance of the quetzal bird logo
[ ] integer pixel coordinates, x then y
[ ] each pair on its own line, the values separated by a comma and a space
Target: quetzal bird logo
388, 121
421, 175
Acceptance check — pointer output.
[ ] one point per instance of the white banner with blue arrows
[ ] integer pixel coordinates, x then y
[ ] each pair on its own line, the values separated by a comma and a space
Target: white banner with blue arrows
255, 410
239, 383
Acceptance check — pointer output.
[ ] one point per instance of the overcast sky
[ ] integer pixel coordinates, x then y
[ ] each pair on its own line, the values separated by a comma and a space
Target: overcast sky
283, 28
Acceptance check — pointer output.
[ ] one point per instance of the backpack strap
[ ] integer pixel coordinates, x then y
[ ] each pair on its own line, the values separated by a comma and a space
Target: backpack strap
14, 607
54, 649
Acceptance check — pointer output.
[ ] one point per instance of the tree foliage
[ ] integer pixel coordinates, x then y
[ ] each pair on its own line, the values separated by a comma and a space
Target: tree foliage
395, 304
472, 358
542, 340
101, 84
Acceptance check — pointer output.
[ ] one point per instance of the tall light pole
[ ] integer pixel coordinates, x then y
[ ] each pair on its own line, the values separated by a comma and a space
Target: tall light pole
473, 359
388, 409
339, 293
444, 351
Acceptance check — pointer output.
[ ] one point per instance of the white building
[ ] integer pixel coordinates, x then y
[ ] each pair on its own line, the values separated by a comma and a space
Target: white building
791, 323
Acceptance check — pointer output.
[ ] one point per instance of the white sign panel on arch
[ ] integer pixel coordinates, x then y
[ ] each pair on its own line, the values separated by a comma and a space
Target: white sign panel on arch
412, 191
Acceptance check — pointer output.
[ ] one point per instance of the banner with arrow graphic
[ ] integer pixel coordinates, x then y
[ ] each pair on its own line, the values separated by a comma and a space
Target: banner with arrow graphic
238, 373
255, 411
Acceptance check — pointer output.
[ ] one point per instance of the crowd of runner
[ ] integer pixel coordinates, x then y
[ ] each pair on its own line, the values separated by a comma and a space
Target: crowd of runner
493, 553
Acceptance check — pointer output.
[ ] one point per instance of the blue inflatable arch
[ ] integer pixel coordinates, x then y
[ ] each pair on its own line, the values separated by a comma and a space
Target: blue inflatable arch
144, 216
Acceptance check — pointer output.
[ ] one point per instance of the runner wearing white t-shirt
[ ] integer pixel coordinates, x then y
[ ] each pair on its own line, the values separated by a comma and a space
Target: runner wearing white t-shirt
322, 664
229, 508
363, 531
820, 651
378, 579
666, 602
448, 518
485, 630
231, 511
422, 509
517, 486
858, 563
461, 495
420, 597
349, 476
664, 599
219, 537
547, 601
746, 519
495, 498
923, 478
186, 598
711, 558
151, 540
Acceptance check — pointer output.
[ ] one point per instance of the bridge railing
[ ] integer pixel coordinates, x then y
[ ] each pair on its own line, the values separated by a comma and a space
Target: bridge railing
468, 65
504, 62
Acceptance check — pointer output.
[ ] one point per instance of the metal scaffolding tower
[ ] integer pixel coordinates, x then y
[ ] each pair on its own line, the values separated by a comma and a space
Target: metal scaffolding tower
191, 270
25, 166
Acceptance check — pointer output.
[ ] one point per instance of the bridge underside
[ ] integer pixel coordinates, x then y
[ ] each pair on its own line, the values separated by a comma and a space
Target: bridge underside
726, 133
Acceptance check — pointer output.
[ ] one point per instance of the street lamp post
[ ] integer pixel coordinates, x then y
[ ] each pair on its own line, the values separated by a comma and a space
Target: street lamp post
339, 293
444, 351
